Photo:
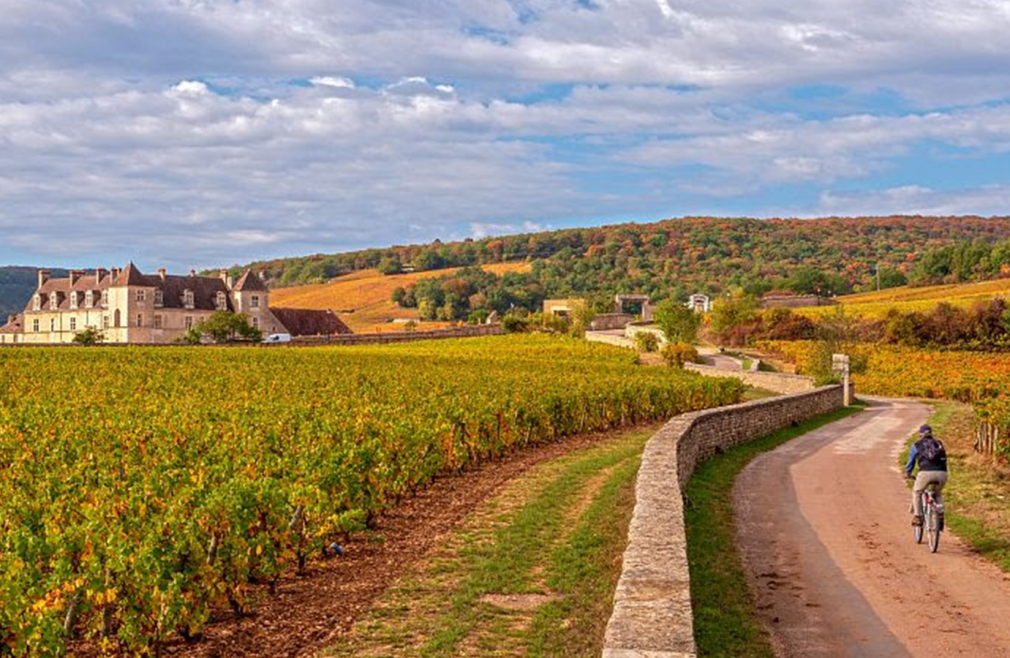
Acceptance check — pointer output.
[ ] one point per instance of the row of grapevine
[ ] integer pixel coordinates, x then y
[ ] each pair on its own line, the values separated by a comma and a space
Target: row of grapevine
141, 489
977, 378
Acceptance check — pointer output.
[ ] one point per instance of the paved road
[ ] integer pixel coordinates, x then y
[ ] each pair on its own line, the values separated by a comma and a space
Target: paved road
823, 525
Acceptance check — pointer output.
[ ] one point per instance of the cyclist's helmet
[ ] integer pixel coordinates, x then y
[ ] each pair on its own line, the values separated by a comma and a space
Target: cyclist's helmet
925, 429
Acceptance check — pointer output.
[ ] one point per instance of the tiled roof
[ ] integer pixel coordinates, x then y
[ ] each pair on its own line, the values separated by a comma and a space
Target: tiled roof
13, 326
131, 276
205, 289
310, 322
250, 282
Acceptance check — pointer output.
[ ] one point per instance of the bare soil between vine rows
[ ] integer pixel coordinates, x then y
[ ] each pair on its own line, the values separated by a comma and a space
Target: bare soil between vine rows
309, 613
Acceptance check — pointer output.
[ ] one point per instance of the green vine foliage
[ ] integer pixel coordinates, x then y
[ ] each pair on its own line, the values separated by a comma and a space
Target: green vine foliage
144, 489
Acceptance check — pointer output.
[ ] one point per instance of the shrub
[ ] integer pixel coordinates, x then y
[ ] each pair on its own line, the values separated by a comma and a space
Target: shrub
677, 354
646, 341
90, 336
678, 322
515, 322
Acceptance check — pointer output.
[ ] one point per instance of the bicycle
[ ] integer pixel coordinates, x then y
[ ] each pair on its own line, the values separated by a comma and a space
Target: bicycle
932, 521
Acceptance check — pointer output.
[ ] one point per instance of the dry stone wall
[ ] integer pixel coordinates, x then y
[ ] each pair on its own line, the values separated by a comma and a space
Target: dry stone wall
652, 606
401, 336
778, 382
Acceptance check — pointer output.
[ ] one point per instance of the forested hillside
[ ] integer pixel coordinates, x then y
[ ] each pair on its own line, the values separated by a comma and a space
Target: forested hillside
16, 287
675, 257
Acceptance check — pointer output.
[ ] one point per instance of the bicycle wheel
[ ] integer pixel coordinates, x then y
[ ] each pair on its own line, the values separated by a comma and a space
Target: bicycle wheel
917, 529
933, 530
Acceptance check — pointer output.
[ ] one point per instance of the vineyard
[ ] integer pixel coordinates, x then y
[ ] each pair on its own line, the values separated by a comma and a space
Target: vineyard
364, 299
981, 379
875, 305
143, 489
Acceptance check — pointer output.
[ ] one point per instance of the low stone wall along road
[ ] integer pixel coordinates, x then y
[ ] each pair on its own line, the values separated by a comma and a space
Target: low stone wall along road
824, 530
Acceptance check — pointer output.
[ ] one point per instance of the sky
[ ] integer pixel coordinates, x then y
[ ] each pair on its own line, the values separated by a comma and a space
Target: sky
200, 133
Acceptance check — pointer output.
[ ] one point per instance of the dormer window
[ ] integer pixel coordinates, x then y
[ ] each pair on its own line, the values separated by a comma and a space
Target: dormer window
37, 302
188, 299
54, 302
159, 298
89, 299
73, 300
222, 301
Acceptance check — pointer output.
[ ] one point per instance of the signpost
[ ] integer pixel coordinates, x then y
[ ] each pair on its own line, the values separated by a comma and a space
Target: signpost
840, 365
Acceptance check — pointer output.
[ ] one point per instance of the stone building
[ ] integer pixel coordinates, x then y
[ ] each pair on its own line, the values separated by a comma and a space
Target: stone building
128, 306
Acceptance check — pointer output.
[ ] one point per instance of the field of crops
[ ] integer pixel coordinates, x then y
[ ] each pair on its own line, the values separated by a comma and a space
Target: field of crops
363, 299
909, 372
143, 488
981, 379
876, 304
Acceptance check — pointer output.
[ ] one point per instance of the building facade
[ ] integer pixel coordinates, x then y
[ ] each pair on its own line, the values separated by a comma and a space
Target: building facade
128, 306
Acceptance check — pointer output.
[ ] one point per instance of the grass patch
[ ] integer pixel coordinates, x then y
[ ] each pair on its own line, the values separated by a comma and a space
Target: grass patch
726, 622
532, 572
758, 393
977, 495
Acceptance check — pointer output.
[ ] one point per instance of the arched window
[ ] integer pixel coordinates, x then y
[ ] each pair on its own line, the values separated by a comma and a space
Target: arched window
117, 319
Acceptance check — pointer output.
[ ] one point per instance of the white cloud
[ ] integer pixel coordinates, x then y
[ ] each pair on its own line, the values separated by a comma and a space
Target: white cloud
480, 230
984, 200
212, 129
190, 88
332, 81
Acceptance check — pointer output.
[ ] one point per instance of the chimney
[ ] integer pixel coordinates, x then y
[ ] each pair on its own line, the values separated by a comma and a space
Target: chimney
263, 276
192, 272
114, 273
99, 275
75, 276
223, 274
43, 277
161, 273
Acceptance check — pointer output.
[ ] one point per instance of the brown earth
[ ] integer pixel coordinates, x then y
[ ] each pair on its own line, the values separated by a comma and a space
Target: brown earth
310, 612
824, 530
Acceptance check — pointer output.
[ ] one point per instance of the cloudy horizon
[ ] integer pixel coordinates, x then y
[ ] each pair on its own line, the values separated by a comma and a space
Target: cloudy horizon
198, 133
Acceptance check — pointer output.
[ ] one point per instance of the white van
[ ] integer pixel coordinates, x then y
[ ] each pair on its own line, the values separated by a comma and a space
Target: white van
278, 338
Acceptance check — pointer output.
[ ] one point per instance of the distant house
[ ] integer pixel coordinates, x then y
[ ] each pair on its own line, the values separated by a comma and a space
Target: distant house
10, 332
699, 303
310, 322
561, 308
128, 306
645, 308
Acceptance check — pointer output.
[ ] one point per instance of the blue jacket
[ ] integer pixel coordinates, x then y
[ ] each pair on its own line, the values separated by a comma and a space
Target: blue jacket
914, 455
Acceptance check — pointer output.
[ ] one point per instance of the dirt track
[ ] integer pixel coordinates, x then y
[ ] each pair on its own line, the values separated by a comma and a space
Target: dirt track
824, 530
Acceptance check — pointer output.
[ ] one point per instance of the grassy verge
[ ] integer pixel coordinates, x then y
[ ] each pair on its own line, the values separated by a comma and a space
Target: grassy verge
977, 496
725, 615
532, 572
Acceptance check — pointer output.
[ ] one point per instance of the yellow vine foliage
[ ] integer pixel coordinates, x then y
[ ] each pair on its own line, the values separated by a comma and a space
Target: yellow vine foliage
141, 489
363, 299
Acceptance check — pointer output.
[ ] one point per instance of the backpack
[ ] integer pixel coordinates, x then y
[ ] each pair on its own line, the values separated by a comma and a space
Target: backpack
933, 450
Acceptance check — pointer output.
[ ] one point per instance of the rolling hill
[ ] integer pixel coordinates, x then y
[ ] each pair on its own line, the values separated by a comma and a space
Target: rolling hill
16, 287
363, 299
676, 257
907, 299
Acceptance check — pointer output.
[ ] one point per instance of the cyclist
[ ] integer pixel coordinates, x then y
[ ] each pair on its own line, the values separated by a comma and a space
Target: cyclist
932, 459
